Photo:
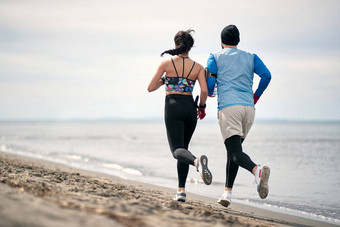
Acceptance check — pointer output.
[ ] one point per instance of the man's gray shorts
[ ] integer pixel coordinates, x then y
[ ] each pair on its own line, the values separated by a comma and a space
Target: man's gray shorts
236, 120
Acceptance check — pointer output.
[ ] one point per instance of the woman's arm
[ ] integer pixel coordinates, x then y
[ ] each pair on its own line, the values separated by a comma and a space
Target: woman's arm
156, 81
203, 85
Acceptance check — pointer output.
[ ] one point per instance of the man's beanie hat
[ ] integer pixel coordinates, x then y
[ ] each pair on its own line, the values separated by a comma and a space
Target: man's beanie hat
230, 35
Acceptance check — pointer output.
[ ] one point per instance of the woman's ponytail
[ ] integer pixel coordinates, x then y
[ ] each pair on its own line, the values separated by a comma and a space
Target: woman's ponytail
183, 41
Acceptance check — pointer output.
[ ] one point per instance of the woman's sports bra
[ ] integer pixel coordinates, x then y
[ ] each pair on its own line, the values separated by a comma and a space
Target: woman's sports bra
179, 84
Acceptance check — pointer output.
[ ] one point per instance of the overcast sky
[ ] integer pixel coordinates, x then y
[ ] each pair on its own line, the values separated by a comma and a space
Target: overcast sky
91, 59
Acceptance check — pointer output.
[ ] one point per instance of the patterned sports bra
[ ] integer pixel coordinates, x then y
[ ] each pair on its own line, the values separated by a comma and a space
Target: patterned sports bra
180, 84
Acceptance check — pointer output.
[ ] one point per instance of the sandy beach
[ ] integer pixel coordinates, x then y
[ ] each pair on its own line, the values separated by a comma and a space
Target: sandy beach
40, 193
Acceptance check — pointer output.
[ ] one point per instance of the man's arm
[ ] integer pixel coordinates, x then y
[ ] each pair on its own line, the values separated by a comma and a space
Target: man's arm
211, 80
263, 72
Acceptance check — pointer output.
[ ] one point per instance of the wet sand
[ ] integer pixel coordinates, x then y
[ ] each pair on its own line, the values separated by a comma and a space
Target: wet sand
40, 193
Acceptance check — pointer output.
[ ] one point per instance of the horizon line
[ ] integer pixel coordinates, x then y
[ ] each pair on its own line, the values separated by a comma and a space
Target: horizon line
157, 119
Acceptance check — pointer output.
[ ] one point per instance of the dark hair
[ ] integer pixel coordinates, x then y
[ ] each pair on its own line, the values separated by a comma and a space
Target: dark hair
183, 41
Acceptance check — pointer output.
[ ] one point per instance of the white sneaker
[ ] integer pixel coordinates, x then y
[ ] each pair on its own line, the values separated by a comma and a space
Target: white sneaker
261, 179
225, 199
180, 196
202, 168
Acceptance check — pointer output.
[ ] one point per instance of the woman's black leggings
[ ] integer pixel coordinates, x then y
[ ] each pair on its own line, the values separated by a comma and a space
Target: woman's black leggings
180, 120
236, 158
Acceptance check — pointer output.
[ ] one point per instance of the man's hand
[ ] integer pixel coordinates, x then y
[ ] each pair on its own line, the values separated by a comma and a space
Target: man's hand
255, 98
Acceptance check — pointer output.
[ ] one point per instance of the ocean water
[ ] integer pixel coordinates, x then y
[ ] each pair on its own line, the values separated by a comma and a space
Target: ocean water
304, 158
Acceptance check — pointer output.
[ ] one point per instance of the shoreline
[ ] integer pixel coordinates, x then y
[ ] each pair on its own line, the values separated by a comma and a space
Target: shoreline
75, 197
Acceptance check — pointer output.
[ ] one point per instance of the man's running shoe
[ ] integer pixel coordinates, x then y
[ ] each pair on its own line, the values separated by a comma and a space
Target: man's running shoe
261, 179
202, 168
225, 199
180, 196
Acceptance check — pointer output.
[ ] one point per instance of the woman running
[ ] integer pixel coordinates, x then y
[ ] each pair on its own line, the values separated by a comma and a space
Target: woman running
181, 111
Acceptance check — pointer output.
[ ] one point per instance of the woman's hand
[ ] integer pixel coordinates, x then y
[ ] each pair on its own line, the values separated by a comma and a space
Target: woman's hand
200, 109
201, 113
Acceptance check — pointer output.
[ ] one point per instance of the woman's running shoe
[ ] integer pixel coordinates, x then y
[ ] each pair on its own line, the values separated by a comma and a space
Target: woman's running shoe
202, 168
180, 196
